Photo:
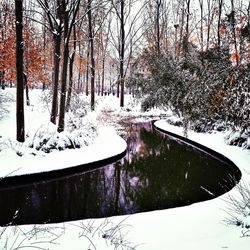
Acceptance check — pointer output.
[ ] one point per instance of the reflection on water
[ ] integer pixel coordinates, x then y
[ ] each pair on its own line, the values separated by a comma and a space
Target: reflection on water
157, 173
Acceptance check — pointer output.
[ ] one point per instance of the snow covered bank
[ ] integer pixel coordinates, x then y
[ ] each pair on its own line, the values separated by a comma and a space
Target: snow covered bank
46, 150
106, 145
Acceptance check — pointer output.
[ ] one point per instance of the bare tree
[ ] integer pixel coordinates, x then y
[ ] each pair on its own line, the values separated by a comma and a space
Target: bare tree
122, 50
55, 27
125, 21
158, 6
69, 12
92, 59
231, 18
201, 3
211, 10
220, 5
185, 42
71, 65
104, 45
20, 132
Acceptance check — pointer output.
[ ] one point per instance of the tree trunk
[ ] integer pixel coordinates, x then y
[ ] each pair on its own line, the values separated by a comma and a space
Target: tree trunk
103, 71
99, 82
118, 87
201, 34
219, 22
122, 47
181, 27
92, 59
64, 68
158, 3
87, 71
210, 17
20, 132
57, 55
2, 82
186, 36
71, 64
79, 88
234, 33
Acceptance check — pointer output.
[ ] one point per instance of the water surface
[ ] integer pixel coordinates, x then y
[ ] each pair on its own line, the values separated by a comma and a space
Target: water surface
158, 172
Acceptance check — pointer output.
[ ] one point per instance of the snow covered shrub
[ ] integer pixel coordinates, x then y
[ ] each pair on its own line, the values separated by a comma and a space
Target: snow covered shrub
135, 83
79, 106
178, 85
239, 137
237, 98
203, 89
78, 133
238, 208
84, 130
45, 99
162, 86
5, 98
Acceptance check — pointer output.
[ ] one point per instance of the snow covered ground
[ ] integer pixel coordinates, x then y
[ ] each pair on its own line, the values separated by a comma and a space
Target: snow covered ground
198, 226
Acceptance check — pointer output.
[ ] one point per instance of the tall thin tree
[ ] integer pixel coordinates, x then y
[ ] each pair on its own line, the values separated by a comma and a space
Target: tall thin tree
20, 132
92, 59
69, 15
54, 19
122, 50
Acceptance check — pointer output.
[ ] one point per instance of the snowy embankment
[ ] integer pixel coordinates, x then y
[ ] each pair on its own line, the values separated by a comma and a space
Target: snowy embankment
106, 145
46, 150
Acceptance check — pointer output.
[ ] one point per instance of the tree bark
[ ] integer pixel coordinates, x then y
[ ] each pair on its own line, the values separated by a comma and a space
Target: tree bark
103, 75
158, 6
20, 132
202, 16
92, 59
87, 71
57, 56
71, 64
234, 32
68, 26
122, 50
186, 36
219, 22
64, 68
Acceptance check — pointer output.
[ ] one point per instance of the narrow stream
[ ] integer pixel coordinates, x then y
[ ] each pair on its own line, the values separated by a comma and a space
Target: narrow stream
158, 172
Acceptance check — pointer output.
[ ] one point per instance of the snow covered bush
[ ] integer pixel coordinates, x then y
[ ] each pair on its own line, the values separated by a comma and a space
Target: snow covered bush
45, 98
5, 98
79, 105
239, 137
238, 208
41, 135
78, 133
204, 89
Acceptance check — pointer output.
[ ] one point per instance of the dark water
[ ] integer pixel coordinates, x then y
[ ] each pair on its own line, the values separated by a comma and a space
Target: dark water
158, 172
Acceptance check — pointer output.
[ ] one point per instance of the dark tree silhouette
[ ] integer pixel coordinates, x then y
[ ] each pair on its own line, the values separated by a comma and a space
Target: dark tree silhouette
122, 51
68, 17
92, 59
20, 132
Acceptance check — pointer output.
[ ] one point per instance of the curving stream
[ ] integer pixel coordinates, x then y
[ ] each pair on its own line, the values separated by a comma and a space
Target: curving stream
158, 172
